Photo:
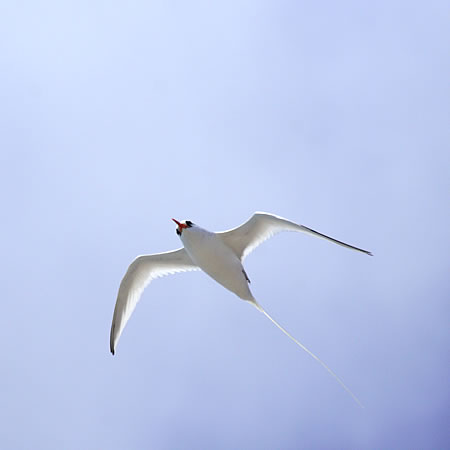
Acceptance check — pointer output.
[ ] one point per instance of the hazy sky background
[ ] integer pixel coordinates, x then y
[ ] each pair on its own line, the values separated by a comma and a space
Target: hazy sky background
117, 116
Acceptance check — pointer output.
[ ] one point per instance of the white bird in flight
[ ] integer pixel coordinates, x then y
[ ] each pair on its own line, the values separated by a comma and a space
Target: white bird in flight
220, 255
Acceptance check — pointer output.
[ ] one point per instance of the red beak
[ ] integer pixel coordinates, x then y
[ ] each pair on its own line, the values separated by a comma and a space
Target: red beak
180, 225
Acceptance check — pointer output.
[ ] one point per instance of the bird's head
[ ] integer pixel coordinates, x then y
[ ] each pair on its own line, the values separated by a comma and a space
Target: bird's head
183, 225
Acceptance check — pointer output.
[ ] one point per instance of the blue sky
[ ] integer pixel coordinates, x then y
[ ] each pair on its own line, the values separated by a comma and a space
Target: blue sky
116, 117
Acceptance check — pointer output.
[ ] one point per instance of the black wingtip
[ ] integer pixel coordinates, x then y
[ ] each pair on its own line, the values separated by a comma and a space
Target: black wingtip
111, 337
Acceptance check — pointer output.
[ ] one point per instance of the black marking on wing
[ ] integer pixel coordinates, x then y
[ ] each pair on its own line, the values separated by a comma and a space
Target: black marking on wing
246, 276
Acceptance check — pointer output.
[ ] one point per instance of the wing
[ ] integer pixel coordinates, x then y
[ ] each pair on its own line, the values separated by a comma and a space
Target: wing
260, 227
141, 272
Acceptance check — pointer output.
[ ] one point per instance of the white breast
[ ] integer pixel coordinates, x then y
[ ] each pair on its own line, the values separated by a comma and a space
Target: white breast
214, 257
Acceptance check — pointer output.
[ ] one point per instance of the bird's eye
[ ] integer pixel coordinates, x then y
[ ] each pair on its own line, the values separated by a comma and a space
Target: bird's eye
178, 232
189, 223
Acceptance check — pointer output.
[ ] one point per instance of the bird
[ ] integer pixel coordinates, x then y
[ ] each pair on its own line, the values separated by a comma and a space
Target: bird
220, 255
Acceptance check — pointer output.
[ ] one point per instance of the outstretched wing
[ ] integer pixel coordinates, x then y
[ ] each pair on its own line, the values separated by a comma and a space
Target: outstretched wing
260, 227
141, 272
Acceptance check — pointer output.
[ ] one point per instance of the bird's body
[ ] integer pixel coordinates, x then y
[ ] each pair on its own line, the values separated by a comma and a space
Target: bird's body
220, 255
209, 252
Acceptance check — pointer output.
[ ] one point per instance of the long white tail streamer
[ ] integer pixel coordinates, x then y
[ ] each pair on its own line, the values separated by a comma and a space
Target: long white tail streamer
355, 398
